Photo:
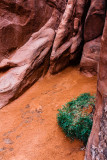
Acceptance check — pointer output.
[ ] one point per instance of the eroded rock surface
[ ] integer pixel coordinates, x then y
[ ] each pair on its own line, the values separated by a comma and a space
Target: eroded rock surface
18, 20
59, 29
97, 143
94, 22
90, 56
26, 68
68, 36
62, 31
93, 28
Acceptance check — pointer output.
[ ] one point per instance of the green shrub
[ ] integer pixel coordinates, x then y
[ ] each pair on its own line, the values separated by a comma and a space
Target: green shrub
74, 118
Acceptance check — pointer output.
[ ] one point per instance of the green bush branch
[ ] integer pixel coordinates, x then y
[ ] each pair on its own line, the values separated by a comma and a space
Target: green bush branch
74, 119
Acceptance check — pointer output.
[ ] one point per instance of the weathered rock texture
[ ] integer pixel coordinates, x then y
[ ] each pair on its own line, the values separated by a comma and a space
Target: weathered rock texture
93, 28
97, 143
25, 68
90, 56
59, 27
94, 22
18, 20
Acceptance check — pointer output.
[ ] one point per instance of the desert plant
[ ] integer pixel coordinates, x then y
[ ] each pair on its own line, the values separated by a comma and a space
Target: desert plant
76, 117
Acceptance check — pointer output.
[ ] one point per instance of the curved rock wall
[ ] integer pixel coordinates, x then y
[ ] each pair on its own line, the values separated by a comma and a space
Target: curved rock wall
18, 20
97, 143
90, 57
31, 61
93, 29
61, 30
94, 21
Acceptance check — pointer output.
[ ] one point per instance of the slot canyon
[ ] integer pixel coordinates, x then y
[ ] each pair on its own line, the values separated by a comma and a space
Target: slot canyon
51, 51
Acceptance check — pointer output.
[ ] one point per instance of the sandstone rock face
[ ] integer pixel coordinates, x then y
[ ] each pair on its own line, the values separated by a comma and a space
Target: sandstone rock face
97, 143
58, 4
25, 68
68, 36
93, 28
59, 29
95, 20
90, 56
18, 20
28, 63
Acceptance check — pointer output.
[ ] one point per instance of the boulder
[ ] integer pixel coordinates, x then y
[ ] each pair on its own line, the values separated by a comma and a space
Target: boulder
90, 57
94, 21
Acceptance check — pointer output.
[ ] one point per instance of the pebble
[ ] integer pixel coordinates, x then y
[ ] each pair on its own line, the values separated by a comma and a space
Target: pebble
27, 106
7, 141
2, 149
39, 109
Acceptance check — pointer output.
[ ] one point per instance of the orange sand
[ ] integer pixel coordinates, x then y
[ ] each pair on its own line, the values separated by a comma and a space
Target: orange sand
28, 126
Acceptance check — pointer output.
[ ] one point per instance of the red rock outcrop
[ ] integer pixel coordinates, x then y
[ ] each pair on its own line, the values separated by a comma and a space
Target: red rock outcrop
68, 36
97, 143
93, 28
94, 21
59, 28
28, 63
90, 57
18, 20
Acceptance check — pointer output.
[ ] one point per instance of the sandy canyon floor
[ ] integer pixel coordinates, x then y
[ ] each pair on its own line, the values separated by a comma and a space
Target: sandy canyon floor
28, 126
